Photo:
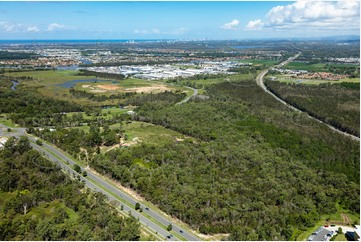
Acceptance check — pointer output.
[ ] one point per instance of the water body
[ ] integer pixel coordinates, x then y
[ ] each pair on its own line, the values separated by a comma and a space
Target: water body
72, 83
68, 68
15, 83
86, 62
91, 41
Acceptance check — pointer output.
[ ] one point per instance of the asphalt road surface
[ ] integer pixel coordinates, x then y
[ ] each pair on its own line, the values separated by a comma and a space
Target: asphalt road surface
260, 83
320, 235
195, 92
96, 183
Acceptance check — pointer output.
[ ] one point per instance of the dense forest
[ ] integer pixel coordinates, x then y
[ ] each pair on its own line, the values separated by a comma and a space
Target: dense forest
31, 109
338, 105
100, 98
84, 72
39, 202
256, 170
252, 173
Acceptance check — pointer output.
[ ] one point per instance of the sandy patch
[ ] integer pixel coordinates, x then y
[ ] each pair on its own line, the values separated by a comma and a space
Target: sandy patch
85, 86
98, 91
109, 87
148, 89
135, 141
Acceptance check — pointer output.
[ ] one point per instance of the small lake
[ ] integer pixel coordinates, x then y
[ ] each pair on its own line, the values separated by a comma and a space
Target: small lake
72, 83
15, 83
68, 68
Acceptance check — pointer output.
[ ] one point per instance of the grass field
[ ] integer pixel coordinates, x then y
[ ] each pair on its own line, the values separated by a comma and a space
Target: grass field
150, 133
319, 67
48, 77
231, 78
4, 120
106, 113
144, 133
46, 210
340, 237
260, 62
46, 83
287, 79
128, 85
305, 66
200, 84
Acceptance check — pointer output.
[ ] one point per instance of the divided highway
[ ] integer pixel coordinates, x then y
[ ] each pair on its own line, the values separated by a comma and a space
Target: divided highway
260, 83
151, 220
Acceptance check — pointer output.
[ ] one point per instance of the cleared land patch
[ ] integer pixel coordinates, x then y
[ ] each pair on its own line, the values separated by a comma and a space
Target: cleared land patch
109, 87
59, 83
298, 80
153, 88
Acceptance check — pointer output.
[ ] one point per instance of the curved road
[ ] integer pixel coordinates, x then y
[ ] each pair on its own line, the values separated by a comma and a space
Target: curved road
260, 83
153, 221
195, 92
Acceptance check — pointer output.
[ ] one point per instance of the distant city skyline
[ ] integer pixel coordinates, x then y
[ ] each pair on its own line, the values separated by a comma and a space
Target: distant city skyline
178, 20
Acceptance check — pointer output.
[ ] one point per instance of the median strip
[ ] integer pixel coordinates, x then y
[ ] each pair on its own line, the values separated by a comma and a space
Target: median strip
108, 191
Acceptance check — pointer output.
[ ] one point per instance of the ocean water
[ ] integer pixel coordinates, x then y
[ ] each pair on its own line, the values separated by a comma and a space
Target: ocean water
90, 41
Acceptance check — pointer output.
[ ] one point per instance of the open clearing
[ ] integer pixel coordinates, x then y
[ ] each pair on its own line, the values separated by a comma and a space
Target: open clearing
48, 83
259, 62
318, 67
288, 79
151, 134
109, 87
153, 88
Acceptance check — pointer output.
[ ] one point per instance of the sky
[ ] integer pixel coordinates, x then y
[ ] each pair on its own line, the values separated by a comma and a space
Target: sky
178, 20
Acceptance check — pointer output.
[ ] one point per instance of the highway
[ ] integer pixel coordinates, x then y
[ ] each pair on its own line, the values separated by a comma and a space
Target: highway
260, 83
153, 221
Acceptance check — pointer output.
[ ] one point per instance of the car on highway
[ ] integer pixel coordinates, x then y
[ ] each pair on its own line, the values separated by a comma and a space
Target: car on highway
180, 231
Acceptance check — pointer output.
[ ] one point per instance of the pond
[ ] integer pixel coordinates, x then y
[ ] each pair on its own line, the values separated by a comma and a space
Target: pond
72, 83
68, 68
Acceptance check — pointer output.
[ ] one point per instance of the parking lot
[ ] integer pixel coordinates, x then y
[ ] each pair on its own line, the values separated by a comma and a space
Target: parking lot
326, 233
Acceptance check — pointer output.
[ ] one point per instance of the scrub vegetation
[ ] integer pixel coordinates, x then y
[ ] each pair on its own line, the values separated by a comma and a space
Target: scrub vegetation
338, 104
39, 202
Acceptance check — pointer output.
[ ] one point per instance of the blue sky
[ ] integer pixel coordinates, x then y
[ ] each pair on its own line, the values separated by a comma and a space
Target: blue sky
177, 20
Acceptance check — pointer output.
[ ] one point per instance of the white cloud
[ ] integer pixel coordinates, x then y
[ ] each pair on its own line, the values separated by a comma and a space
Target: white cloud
255, 25
231, 25
305, 15
315, 14
17, 27
155, 31
10, 27
55, 26
145, 31
32, 29
178, 31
